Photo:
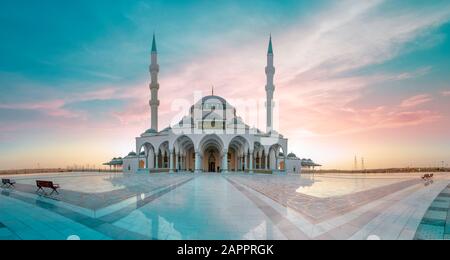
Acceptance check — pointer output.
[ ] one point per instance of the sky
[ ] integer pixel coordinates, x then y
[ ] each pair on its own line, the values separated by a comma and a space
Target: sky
353, 78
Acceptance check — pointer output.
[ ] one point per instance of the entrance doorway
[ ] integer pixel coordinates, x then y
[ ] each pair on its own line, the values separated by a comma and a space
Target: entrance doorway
211, 163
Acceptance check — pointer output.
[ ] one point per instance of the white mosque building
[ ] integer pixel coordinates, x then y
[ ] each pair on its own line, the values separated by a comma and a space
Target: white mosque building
212, 138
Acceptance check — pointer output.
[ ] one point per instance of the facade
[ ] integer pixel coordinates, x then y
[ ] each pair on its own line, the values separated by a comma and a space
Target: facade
211, 138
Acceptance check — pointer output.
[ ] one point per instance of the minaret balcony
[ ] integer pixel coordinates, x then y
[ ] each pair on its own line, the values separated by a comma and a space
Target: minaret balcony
270, 88
154, 86
154, 68
154, 102
270, 70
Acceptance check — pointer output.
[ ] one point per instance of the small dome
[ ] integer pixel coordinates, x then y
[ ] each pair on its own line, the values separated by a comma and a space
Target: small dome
132, 154
292, 155
151, 131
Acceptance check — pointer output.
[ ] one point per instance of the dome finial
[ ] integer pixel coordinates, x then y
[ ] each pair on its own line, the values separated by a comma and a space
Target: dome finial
212, 90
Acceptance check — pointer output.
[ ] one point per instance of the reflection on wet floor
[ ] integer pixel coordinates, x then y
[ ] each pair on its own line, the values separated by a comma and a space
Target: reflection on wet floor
232, 206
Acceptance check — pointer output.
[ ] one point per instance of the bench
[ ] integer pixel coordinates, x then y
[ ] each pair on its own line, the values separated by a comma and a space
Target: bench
47, 184
8, 183
427, 176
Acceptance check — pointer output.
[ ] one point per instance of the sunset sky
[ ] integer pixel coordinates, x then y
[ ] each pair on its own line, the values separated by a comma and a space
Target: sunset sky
353, 78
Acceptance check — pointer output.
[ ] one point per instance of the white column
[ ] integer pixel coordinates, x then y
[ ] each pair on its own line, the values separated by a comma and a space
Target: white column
266, 166
181, 162
225, 161
171, 166
151, 159
250, 166
157, 160
239, 162
177, 162
197, 163
245, 161
146, 159
276, 160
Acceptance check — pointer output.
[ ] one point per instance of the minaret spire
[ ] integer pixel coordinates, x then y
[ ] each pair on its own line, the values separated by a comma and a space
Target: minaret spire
154, 43
270, 49
270, 88
154, 86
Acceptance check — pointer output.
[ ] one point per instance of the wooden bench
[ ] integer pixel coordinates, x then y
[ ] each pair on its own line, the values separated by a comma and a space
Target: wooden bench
47, 184
8, 183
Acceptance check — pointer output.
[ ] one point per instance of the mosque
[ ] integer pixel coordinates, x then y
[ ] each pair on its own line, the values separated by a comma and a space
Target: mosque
212, 137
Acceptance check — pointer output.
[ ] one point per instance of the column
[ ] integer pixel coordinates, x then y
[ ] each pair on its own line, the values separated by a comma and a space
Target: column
245, 161
157, 160
225, 161
250, 166
177, 162
276, 161
266, 166
146, 160
181, 162
239, 166
197, 163
171, 166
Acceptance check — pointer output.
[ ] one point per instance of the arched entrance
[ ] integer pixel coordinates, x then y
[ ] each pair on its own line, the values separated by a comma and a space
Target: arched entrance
184, 154
212, 163
163, 156
146, 156
211, 148
277, 157
237, 153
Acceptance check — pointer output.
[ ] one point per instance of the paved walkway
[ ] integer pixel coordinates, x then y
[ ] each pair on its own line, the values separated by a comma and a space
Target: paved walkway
319, 209
435, 224
232, 206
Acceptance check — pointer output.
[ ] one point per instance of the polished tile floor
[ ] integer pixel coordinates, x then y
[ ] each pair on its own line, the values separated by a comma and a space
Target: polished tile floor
232, 206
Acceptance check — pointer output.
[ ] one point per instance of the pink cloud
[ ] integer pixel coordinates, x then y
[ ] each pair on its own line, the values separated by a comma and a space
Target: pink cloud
49, 107
446, 93
416, 100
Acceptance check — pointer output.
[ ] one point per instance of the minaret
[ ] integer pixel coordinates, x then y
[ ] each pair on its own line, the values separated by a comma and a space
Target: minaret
270, 88
154, 86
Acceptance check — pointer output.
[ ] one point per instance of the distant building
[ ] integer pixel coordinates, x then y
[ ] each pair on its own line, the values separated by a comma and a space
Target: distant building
115, 163
309, 164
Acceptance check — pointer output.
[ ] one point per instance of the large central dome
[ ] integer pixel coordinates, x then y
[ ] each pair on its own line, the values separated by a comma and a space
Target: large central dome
212, 111
212, 102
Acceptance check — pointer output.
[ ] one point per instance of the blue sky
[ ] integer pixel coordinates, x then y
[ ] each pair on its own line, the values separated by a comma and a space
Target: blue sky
77, 72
